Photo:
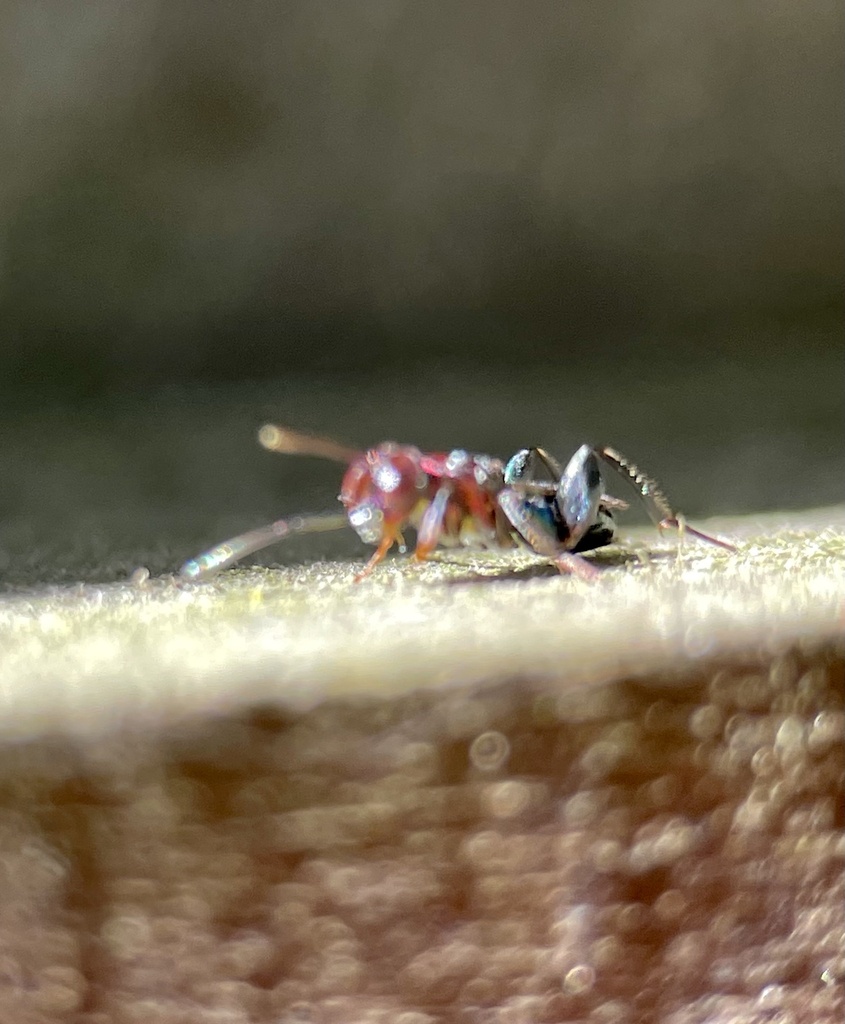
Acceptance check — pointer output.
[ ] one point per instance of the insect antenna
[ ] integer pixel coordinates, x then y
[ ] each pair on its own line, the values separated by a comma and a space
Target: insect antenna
293, 442
221, 556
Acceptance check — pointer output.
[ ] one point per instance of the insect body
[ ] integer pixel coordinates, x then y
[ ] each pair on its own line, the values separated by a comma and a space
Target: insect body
460, 498
448, 497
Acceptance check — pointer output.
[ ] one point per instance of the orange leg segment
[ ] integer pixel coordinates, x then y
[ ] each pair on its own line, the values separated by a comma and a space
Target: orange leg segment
431, 526
571, 564
389, 537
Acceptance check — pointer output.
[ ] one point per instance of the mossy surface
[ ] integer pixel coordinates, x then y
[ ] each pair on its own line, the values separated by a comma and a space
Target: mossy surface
465, 791
89, 658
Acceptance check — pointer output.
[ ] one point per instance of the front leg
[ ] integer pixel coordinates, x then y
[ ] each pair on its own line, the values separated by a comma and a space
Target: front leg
390, 534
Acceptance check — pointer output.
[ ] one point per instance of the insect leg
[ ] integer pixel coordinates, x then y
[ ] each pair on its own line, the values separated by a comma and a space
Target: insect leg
614, 504
390, 534
431, 524
655, 501
223, 555
541, 536
575, 565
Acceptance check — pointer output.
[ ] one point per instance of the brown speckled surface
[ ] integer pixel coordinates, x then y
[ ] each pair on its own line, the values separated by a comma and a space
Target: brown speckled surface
468, 792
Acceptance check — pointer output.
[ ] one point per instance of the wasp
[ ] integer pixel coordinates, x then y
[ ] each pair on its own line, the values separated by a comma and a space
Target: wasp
457, 497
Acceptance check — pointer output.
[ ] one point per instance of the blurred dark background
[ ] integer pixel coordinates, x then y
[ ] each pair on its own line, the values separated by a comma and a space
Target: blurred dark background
483, 224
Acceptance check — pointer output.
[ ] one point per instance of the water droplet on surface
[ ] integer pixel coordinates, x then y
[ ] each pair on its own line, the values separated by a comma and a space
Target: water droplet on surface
489, 751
